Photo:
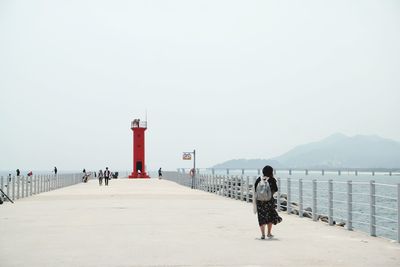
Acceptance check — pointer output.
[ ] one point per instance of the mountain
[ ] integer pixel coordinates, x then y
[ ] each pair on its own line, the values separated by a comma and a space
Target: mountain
336, 151
341, 151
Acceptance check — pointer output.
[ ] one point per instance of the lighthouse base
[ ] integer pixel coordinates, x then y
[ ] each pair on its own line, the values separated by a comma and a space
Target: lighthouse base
135, 175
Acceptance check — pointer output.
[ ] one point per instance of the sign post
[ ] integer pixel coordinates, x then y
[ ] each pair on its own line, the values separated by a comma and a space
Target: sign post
188, 156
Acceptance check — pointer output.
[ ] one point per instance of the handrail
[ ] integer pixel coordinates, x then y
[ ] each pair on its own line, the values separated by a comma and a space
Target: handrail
353, 200
17, 187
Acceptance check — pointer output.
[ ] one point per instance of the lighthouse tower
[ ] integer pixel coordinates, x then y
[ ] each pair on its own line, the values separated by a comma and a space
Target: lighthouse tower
139, 167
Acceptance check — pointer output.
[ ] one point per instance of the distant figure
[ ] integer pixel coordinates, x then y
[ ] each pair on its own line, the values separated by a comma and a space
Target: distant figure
159, 173
55, 170
264, 202
100, 175
192, 173
9, 178
85, 176
106, 176
30, 173
18, 172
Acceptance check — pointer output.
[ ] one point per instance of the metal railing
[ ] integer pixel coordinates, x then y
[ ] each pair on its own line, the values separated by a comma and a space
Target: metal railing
17, 187
366, 206
257, 171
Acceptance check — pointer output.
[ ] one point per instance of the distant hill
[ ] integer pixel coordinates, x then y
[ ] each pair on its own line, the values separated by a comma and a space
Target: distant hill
336, 151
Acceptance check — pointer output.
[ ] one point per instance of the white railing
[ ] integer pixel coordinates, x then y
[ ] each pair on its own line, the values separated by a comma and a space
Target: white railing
367, 206
257, 171
17, 187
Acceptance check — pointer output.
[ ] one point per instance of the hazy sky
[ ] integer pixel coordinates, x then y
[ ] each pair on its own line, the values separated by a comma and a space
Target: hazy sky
232, 79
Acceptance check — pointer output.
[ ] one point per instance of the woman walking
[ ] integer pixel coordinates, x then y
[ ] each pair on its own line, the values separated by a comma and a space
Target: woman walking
264, 202
100, 175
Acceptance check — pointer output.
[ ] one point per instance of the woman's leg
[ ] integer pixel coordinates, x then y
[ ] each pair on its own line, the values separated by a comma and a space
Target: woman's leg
262, 228
269, 228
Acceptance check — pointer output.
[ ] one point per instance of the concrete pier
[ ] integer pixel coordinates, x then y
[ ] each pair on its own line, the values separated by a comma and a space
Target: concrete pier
157, 222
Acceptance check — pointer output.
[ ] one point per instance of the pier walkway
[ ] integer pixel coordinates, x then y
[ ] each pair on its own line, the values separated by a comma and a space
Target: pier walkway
160, 223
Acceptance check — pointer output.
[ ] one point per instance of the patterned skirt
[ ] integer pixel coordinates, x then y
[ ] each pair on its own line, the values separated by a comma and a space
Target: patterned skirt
266, 212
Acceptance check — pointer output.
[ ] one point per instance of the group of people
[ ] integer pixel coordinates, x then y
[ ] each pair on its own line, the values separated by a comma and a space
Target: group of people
30, 173
106, 175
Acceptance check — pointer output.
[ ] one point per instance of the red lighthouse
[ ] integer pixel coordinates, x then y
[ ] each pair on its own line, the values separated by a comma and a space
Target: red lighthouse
139, 167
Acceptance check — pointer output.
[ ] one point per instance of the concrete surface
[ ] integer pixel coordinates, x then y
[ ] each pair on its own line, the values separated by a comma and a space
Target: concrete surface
159, 223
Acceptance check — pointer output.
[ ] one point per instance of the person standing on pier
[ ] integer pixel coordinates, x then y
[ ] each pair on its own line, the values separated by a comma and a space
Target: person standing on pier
159, 173
55, 171
100, 175
264, 202
192, 173
106, 176
18, 172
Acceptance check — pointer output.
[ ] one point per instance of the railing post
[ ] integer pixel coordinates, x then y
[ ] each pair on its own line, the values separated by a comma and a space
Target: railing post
372, 221
223, 186
248, 189
252, 189
231, 187
199, 179
2, 183
241, 188
217, 187
18, 185
278, 198
31, 185
398, 213
13, 187
289, 206
236, 188
23, 187
36, 184
8, 185
215, 184
330, 201
300, 197
349, 206
314, 200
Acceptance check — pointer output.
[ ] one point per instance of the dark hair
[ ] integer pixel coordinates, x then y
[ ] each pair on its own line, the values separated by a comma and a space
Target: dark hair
268, 171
